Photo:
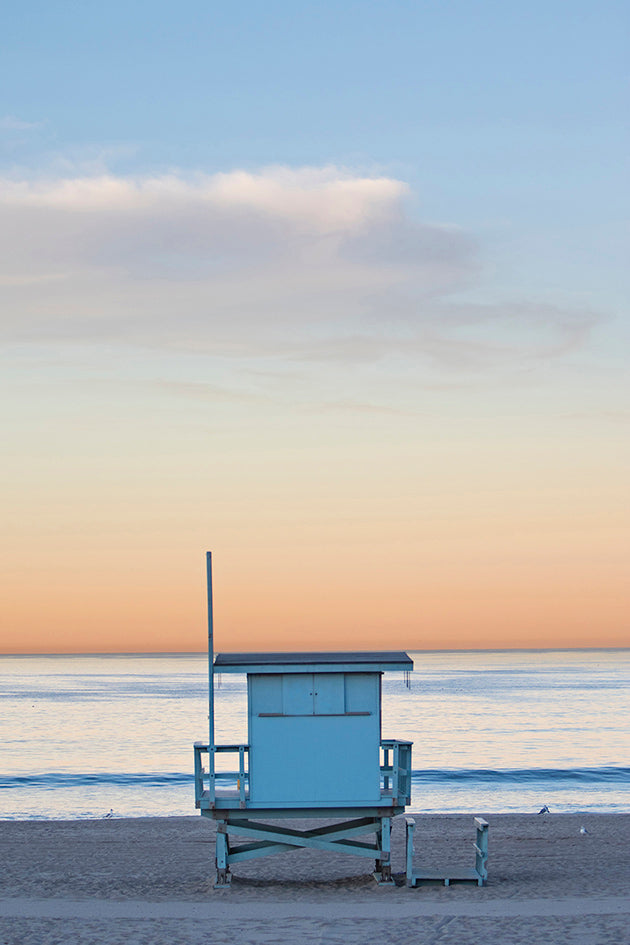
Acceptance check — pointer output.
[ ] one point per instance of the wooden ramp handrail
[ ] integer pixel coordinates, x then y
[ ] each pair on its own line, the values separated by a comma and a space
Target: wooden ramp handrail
478, 874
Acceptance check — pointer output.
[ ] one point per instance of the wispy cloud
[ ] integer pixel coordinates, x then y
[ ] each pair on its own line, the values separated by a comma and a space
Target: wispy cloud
313, 263
11, 123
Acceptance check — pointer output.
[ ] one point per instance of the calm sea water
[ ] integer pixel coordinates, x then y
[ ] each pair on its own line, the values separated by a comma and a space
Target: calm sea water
492, 731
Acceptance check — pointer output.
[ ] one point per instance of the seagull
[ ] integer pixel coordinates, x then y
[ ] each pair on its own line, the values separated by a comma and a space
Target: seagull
111, 814
583, 830
544, 810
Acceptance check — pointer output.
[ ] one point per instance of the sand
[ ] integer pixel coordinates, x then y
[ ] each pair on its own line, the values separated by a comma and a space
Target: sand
149, 880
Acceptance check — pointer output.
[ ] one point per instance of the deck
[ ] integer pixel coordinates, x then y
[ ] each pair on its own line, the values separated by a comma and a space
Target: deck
395, 785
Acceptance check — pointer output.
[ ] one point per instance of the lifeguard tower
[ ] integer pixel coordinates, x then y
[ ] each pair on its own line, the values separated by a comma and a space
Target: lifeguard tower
314, 750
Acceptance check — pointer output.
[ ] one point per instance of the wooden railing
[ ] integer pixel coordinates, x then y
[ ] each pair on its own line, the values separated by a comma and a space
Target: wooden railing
204, 777
395, 772
396, 769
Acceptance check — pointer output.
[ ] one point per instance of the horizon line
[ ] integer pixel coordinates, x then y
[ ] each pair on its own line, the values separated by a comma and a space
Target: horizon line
204, 653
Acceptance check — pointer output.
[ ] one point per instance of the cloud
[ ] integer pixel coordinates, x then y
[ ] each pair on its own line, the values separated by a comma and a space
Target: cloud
301, 264
11, 123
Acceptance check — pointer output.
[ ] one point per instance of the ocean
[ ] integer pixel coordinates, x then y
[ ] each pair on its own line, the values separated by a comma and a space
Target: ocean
500, 731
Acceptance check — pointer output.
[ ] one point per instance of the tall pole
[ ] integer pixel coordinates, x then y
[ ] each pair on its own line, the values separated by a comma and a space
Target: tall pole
210, 674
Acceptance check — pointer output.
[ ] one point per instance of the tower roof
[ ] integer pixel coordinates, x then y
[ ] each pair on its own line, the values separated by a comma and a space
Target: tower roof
330, 662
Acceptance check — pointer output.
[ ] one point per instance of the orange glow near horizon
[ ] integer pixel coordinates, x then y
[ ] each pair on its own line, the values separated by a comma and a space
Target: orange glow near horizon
343, 532
368, 602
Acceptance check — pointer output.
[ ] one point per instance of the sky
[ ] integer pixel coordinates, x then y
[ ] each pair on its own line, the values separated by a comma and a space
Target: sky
338, 291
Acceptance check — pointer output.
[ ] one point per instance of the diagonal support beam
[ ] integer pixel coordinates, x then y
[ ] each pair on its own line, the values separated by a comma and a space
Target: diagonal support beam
347, 828
334, 838
249, 851
331, 832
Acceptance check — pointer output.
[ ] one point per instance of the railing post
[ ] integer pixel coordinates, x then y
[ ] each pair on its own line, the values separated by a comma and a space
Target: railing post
241, 775
406, 768
396, 755
410, 825
481, 850
198, 748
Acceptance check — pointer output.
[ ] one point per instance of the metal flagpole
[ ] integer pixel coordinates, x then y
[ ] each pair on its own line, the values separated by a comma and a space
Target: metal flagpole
210, 676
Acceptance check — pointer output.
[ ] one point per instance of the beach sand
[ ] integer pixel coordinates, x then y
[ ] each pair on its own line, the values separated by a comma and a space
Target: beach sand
149, 880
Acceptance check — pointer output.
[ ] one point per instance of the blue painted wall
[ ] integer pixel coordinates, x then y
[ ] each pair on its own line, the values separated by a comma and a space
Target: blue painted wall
314, 737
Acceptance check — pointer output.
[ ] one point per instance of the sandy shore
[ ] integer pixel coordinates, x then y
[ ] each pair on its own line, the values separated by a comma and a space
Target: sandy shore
149, 880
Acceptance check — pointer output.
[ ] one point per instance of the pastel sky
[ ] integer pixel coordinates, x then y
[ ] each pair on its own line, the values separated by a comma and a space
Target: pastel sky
336, 290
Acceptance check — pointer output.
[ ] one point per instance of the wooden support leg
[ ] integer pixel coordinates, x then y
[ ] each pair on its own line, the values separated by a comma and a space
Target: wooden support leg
386, 859
384, 863
222, 858
379, 844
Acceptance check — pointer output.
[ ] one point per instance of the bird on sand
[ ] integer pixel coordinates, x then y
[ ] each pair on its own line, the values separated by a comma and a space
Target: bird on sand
583, 830
111, 813
544, 810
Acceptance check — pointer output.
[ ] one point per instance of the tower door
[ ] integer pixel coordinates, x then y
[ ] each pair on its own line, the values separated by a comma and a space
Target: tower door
313, 694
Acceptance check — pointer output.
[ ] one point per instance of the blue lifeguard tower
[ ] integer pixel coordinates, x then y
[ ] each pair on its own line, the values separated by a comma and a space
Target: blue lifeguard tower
314, 750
